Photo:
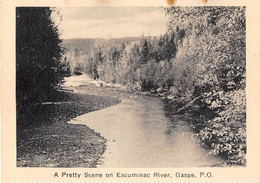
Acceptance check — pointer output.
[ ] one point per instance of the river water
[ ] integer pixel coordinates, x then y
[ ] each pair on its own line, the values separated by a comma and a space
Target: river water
139, 133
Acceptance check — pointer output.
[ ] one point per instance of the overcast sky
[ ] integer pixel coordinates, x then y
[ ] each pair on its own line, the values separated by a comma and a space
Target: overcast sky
112, 22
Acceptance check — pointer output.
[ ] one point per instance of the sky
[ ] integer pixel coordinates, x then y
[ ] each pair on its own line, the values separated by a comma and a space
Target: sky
111, 22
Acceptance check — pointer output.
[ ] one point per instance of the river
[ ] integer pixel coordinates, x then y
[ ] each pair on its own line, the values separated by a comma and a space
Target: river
139, 133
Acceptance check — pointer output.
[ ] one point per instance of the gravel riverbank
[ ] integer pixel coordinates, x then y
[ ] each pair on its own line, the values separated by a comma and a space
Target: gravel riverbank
45, 139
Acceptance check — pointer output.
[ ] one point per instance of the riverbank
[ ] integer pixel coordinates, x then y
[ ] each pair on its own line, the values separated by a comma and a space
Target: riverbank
47, 140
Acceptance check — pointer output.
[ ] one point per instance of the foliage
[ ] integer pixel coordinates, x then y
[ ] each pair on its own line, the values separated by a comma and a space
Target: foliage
214, 46
145, 55
227, 133
38, 54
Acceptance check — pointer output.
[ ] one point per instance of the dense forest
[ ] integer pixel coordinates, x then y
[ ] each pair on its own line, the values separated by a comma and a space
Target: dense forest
199, 64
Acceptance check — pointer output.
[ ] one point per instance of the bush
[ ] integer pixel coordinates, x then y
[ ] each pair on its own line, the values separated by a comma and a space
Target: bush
226, 134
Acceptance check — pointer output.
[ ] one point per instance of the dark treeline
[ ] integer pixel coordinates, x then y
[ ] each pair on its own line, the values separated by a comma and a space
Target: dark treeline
39, 70
200, 64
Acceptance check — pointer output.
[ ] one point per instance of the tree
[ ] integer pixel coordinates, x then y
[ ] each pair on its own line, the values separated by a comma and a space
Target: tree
38, 55
166, 47
144, 52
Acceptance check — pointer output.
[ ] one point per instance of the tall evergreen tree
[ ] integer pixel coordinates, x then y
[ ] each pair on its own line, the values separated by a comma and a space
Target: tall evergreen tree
144, 52
38, 55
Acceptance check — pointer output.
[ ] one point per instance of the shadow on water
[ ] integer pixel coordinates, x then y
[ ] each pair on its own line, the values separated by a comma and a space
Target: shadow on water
174, 122
177, 124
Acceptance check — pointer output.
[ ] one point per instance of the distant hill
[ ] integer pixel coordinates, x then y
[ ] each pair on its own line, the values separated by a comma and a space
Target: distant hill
81, 44
86, 44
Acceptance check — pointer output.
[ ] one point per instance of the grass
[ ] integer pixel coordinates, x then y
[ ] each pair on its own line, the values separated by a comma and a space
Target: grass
45, 139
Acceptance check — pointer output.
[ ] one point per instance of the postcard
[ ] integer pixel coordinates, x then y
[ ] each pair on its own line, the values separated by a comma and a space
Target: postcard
140, 91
